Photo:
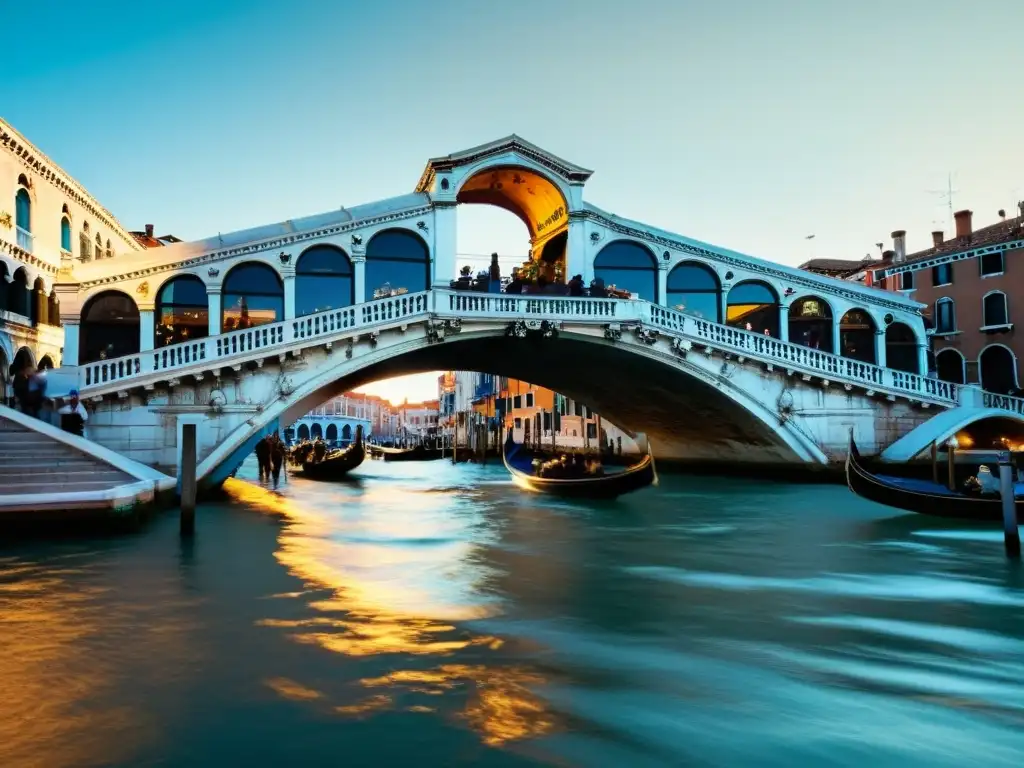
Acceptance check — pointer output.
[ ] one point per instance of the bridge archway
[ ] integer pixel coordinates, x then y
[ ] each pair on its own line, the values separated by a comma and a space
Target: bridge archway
346, 433
316, 432
901, 349
398, 258
303, 432
686, 408
323, 280
629, 266
182, 311
857, 332
753, 305
109, 327
331, 435
536, 200
694, 287
811, 323
253, 295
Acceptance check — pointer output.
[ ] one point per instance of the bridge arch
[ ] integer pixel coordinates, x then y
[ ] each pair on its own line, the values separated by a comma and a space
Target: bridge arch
901, 348
109, 327
316, 431
252, 294
857, 334
303, 432
753, 305
812, 323
324, 279
346, 433
331, 435
182, 310
694, 287
541, 200
399, 258
629, 265
681, 404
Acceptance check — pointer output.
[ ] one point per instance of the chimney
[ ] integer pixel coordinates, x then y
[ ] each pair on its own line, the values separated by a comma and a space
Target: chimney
149, 230
963, 223
888, 255
899, 245
1020, 207
937, 238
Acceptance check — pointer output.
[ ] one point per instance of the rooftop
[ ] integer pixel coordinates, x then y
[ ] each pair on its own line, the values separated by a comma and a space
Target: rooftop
1003, 231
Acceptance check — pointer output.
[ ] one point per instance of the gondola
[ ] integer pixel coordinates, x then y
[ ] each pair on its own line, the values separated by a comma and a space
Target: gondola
337, 463
925, 497
416, 453
519, 463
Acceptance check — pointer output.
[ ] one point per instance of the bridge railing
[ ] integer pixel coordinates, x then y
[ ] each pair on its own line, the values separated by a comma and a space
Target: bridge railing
826, 364
1003, 402
228, 347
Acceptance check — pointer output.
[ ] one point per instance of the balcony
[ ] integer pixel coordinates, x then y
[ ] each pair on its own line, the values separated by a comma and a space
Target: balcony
25, 239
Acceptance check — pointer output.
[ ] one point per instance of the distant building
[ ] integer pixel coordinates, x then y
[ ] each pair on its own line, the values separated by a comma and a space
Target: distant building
146, 238
973, 284
842, 269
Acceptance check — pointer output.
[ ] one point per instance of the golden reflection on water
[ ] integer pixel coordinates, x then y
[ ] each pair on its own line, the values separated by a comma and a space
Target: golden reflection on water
400, 601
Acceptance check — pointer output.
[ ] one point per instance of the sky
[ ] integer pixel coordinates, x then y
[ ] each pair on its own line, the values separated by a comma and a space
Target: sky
750, 124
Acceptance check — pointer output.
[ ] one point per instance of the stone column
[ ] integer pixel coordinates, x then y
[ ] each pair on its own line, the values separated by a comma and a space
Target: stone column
69, 353
70, 317
784, 322
359, 278
288, 277
147, 327
577, 259
443, 257
837, 336
662, 283
213, 295
922, 359
880, 348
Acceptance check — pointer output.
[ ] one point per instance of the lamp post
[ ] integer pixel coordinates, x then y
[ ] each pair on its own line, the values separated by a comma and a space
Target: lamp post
951, 446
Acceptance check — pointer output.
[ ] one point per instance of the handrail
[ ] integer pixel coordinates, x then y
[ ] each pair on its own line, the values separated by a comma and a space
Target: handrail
235, 346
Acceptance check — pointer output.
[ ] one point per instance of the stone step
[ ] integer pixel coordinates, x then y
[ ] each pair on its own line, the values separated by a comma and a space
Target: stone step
48, 488
63, 475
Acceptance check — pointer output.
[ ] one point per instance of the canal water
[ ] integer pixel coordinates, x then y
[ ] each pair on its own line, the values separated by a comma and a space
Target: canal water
431, 615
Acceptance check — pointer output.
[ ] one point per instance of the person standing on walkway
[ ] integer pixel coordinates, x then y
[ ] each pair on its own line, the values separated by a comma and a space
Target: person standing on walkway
276, 457
73, 415
263, 458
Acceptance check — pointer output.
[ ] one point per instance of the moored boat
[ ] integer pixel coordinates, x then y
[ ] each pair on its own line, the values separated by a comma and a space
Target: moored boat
337, 463
523, 466
416, 453
925, 497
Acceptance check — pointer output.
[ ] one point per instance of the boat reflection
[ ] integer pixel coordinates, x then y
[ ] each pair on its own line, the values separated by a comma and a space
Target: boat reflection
399, 582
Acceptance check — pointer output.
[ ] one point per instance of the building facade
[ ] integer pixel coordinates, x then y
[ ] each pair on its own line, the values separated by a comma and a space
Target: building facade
973, 287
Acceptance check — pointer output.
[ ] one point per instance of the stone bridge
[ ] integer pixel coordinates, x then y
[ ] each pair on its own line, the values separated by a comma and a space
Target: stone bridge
717, 356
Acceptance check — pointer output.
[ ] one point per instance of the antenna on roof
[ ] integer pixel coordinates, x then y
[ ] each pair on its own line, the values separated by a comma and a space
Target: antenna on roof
946, 194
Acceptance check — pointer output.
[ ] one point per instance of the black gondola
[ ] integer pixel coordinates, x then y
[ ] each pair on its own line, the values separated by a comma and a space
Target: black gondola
337, 463
925, 497
520, 464
416, 453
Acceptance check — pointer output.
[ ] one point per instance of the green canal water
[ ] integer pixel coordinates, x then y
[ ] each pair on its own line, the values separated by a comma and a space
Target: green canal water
432, 615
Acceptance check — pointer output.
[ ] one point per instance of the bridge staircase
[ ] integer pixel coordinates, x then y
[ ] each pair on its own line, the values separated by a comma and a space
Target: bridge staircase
44, 470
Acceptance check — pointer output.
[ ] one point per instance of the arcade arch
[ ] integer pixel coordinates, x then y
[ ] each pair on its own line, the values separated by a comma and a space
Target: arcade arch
694, 287
754, 306
182, 311
109, 327
323, 280
629, 266
398, 259
253, 295
811, 323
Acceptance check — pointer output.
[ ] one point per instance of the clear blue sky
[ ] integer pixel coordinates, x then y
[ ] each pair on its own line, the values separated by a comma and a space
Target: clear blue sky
746, 123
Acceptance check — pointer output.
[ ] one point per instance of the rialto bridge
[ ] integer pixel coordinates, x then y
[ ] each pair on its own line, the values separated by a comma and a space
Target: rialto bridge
717, 356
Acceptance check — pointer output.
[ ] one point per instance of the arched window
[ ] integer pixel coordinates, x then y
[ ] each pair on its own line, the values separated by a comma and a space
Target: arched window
901, 349
39, 307
628, 266
331, 436
46, 363
18, 294
253, 295
994, 310
950, 366
182, 311
694, 288
65, 234
53, 310
997, 369
753, 305
110, 251
22, 359
4, 286
303, 432
323, 280
99, 246
810, 323
316, 432
110, 327
346, 433
23, 219
399, 259
945, 316
84, 245
857, 331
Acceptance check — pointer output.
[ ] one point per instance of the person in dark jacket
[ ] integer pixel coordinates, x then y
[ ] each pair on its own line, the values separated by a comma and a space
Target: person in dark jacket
276, 457
576, 285
263, 458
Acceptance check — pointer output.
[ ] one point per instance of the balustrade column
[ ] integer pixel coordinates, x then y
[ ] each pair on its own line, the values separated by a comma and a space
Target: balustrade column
147, 327
213, 298
784, 322
359, 278
289, 295
880, 358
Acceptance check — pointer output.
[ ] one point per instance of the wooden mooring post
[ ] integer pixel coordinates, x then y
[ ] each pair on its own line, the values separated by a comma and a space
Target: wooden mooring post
1011, 533
187, 473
